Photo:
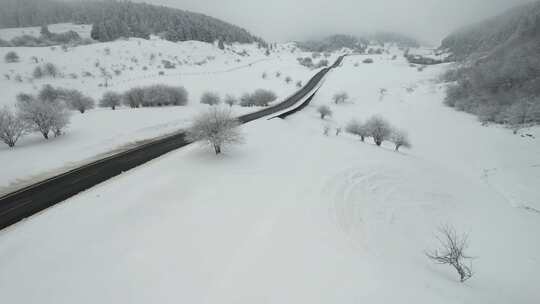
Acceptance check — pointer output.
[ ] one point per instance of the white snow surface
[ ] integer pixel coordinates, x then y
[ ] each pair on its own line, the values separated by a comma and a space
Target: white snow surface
293, 216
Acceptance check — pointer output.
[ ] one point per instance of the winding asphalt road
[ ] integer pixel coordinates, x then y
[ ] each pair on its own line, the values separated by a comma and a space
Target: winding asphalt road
37, 197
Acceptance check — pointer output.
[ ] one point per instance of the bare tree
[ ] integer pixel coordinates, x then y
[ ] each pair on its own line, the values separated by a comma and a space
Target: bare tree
210, 98
217, 127
77, 101
59, 119
338, 131
356, 128
230, 100
400, 139
12, 127
41, 115
326, 130
379, 129
259, 98
340, 97
324, 111
451, 252
110, 100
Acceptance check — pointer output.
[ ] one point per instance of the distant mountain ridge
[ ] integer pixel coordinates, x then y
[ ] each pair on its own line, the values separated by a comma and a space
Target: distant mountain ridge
359, 43
114, 19
522, 22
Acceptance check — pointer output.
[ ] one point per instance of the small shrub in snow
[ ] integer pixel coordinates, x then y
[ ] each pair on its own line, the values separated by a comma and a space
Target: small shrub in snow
47, 70
326, 130
400, 139
168, 65
278, 74
161, 73
452, 252
315, 55
299, 84
12, 127
110, 100
307, 62
379, 129
340, 97
264, 75
230, 100
217, 127
356, 128
11, 57
210, 98
338, 131
87, 74
368, 60
288, 79
324, 111
259, 98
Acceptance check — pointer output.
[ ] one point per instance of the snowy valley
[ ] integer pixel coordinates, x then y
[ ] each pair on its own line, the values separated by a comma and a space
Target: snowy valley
302, 211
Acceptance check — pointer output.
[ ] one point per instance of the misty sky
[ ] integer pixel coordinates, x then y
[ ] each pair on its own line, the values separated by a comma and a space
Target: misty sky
282, 20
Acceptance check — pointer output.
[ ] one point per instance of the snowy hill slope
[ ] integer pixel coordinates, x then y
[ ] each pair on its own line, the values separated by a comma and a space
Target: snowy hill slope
293, 216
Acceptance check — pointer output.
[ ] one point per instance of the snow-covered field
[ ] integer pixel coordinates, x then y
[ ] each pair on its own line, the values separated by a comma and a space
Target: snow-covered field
200, 67
293, 216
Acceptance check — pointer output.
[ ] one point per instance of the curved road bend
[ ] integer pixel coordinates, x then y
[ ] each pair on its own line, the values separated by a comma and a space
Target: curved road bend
37, 197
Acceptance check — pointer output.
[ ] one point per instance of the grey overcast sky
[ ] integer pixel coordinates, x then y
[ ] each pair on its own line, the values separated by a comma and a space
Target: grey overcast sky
282, 20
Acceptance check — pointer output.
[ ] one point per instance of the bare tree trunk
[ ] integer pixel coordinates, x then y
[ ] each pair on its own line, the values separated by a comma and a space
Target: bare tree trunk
45, 135
217, 149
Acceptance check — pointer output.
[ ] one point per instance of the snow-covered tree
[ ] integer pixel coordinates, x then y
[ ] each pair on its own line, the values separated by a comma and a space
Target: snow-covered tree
324, 111
75, 100
259, 98
133, 97
12, 127
400, 139
110, 100
42, 116
230, 100
210, 98
217, 127
379, 129
355, 127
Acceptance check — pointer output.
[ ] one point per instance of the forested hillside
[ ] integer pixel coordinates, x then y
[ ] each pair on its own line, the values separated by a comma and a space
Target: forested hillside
499, 75
115, 19
334, 42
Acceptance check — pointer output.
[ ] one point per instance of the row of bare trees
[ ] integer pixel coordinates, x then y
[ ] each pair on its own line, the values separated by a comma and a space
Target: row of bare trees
380, 130
46, 113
